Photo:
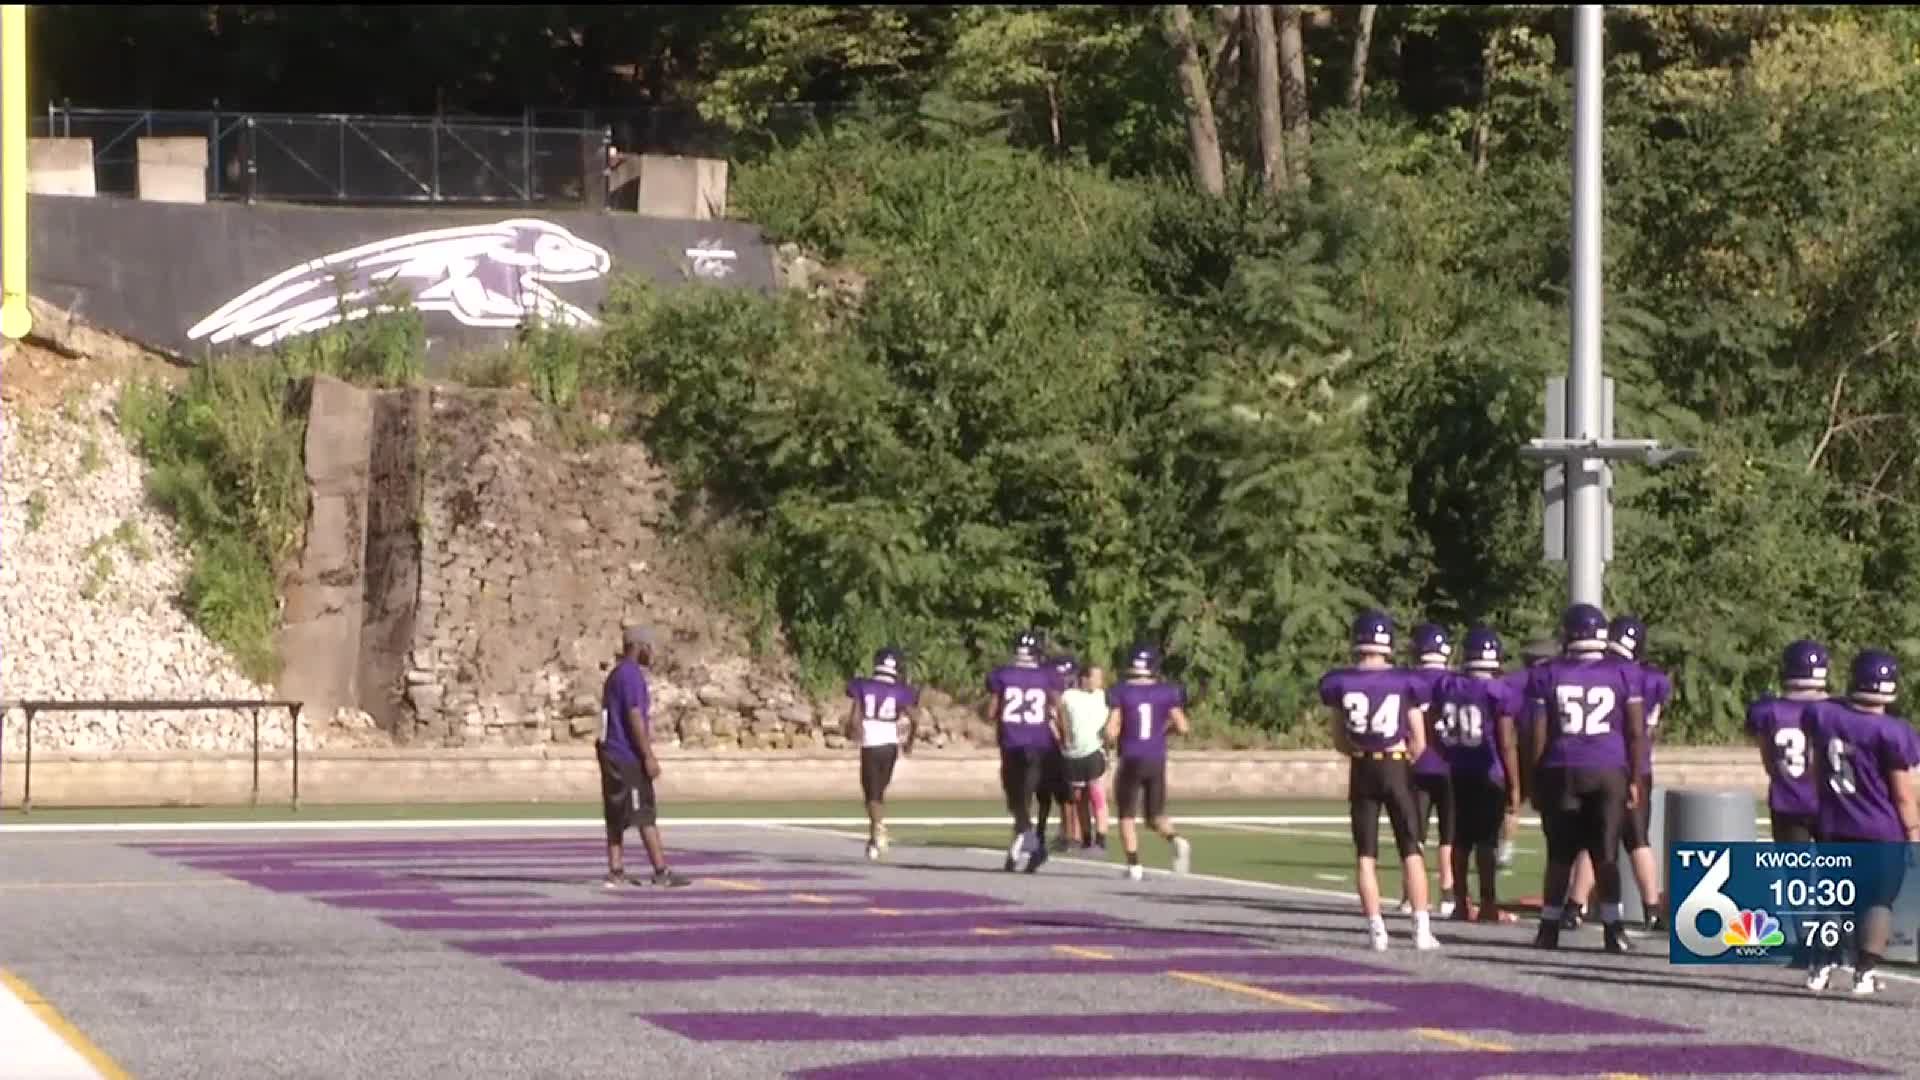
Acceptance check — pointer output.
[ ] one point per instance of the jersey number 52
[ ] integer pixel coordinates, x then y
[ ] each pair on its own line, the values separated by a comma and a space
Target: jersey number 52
1585, 710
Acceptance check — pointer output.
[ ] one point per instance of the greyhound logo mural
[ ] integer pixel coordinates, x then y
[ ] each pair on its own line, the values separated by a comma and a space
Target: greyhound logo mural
482, 275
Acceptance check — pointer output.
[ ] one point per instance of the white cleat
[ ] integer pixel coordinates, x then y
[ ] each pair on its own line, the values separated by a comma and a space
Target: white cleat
1017, 854
1425, 941
1818, 978
873, 852
1182, 855
1446, 909
1865, 985
1377, 939
1136, 873
1406, 907
1505, 857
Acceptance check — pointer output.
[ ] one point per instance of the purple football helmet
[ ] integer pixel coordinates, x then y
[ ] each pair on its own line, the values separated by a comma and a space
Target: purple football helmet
1803, 666
1373, 634
1875, 678
1484, 652
1143, 660
1430, 644
1627, 636
1583, 628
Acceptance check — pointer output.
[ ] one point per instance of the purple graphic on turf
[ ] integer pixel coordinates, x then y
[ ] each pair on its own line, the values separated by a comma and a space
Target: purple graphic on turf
1640, 1060
1447, 1006
1249, 962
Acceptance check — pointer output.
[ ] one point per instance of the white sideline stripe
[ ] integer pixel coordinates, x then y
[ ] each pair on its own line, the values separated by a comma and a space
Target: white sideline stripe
521, 824
34, 1049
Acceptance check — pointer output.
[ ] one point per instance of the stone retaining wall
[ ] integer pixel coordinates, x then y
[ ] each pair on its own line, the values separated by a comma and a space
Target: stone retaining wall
567, 774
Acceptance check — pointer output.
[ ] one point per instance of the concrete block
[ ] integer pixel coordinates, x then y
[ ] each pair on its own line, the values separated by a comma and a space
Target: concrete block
173, 169
60, 167
682, 187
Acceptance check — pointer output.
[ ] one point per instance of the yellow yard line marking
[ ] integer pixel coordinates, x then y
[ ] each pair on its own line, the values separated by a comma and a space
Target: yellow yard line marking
1275, 996
1084, 954
736, 886
36, 886
812, 898
1461, 1041
1624, 1076
992, 931
44, 1011
884, 911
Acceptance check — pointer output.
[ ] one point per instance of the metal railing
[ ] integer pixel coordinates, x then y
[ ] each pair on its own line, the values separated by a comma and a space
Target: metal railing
33, 708
305, 157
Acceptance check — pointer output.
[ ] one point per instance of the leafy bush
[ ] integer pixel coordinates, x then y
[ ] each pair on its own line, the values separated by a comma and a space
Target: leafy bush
226, 456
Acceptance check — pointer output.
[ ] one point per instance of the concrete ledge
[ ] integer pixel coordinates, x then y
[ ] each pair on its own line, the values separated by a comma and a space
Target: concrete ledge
567, 774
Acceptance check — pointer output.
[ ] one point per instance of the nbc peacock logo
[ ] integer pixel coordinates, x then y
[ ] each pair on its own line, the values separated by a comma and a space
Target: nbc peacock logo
1754, 928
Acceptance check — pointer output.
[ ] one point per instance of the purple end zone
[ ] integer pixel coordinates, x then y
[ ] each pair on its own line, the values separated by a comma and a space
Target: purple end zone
543, 918
1448, 1006
1643, 1059
776, 935
1260, 963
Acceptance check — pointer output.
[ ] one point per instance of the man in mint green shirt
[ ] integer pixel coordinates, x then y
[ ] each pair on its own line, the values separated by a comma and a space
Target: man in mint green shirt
1084, 710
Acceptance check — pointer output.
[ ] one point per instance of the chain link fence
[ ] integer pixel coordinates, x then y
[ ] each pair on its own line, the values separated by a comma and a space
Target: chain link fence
284, 157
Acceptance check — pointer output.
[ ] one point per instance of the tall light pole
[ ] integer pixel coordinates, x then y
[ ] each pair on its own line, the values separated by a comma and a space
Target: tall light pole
1578, 442
1586, 498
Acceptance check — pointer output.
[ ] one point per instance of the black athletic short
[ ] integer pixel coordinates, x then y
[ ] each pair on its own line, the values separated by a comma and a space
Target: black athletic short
1479, 809
1139, 780
1376, 782
876, 771
1636, 831
1434, 792
1082, 771
1582, 810
1030, 773
1793, 828
626, 795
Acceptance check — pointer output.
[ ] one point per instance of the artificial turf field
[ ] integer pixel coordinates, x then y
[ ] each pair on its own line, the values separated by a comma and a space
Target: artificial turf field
328, 948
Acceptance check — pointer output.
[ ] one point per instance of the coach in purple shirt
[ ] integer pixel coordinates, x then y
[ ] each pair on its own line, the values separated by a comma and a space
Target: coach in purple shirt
628, 765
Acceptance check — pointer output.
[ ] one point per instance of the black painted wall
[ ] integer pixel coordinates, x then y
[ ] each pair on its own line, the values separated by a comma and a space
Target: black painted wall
161, 273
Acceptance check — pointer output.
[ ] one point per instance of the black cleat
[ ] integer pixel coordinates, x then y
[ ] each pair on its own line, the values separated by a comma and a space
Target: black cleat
667, 879
1008, 867
1616, 938
1574, 917
1548, 936
1039, 857
1655, 924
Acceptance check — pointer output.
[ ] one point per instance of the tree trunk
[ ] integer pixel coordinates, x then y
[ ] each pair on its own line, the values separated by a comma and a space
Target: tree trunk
1294, 104
1228, 24
1203, 134
1483, 118
1362, 46
1053, 115
1275, 175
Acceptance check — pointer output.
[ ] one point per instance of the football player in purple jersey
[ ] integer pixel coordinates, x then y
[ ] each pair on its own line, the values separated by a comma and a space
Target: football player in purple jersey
1587, 729
1023, 707
1478, 743
881, 717
1142, 709
1379, 724
1773, 723
1860, 762
1432, 778
1537, 651
1627, 640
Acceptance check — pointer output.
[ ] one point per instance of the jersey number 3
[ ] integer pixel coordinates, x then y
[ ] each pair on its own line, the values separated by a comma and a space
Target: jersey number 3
1384, 721
1585, 710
